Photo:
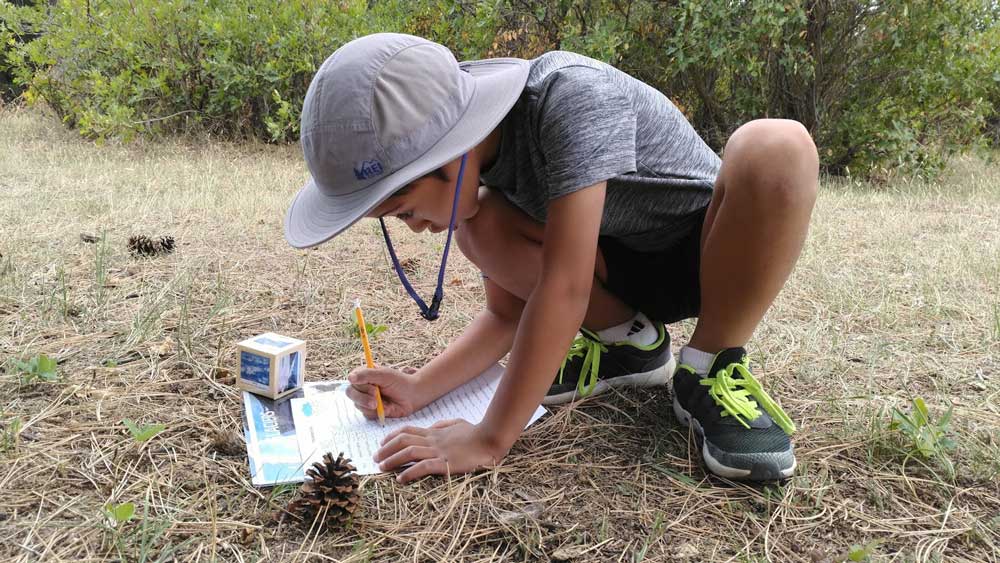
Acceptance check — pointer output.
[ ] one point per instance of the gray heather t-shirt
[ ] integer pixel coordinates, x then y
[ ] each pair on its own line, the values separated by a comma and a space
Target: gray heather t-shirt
580, 122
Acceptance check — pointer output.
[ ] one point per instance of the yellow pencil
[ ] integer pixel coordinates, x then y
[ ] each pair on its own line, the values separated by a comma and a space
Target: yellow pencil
379, 408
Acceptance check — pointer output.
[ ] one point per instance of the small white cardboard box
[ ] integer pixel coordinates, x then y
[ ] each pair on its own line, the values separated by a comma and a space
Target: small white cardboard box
271, 364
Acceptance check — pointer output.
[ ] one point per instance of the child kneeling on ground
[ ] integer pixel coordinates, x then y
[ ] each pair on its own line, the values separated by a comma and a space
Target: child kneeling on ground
592, 208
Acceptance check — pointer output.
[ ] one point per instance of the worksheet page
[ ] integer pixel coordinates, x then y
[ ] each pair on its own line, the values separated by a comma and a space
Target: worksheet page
331, 423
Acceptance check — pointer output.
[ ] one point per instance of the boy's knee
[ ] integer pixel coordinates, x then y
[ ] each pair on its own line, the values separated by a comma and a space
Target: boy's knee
479, 235
775, 144
776, 159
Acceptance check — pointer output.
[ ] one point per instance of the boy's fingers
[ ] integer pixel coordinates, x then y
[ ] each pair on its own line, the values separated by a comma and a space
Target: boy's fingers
361, 387
355, 373
436, 466
407, 455
397, 444
361, 399
358, 377
446, 423
364, 376
415, 430
394, 410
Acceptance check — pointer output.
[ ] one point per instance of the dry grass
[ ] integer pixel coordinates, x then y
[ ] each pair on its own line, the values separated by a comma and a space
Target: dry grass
896, 296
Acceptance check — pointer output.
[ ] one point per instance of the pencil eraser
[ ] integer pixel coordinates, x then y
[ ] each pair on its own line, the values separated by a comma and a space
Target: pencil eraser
271, 365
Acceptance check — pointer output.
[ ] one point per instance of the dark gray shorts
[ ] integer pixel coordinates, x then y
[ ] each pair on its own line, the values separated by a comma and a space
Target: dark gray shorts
665, 285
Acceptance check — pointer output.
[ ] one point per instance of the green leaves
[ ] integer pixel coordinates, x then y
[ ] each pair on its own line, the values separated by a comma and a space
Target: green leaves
118, 514
373, 330
882, 86
860, 552
237, 69
39, 368
926, 437
9, 432
143, 433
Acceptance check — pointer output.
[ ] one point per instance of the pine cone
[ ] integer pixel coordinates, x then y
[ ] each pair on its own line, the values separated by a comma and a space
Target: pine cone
141, 245
331, 487
166, 244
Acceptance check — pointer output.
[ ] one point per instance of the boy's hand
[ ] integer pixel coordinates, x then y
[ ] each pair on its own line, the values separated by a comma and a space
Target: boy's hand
448, 447
400, 393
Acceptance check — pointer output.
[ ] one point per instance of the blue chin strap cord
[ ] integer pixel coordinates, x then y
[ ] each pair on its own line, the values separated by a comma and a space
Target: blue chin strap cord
429, 313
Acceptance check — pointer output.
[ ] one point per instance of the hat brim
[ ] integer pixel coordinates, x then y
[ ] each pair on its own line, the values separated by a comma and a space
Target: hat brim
314, 217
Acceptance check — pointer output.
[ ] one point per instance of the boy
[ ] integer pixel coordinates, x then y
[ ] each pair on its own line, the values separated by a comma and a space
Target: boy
602, 213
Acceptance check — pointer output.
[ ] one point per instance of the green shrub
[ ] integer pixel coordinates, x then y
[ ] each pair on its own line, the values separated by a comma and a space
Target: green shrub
20, 23
167, 65
233, 68
990, 51
882, 86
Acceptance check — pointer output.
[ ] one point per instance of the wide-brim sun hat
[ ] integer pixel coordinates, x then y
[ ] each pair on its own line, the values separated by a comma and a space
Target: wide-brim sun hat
382, 111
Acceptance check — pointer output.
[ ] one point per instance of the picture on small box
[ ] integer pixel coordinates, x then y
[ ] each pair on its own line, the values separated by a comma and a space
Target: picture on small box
274, 342
255, 368
288, 371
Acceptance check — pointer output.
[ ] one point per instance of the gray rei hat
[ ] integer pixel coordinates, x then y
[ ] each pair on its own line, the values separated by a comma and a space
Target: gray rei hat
382, 111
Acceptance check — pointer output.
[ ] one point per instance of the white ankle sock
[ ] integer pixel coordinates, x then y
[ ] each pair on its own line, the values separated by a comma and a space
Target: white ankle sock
637, 330
700, 361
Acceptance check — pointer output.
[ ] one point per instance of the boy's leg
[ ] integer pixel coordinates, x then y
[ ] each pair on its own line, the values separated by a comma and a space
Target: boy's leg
754, 228
753, 232
506, 244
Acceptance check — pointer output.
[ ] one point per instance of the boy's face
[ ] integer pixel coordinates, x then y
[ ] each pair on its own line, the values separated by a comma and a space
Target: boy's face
425, 203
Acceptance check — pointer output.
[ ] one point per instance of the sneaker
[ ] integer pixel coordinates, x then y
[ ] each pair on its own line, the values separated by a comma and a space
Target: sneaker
738, 439
592, 367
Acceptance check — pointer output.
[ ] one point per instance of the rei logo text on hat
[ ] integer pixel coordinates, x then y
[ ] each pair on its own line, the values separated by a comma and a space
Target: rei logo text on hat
368, 169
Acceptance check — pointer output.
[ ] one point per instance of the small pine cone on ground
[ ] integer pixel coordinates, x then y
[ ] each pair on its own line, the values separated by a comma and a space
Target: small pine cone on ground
141, 245
166, 244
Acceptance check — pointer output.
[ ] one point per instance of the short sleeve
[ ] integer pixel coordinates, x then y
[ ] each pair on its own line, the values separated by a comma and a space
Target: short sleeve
586, 130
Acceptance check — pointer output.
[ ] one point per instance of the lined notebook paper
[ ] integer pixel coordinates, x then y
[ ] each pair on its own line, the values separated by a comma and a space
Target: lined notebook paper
331, 423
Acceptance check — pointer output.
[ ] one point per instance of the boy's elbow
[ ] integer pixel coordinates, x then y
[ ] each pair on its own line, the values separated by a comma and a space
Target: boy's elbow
579, 293
570, 291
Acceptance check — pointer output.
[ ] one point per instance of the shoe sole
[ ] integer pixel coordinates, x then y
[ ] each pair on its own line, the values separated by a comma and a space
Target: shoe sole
658, 376
760, 472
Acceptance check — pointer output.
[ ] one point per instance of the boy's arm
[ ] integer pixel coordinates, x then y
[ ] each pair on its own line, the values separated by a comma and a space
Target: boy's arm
548, 323
551, 317
487, 339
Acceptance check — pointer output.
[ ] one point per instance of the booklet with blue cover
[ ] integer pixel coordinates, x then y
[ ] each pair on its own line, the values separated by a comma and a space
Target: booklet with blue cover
284, 436
269, 431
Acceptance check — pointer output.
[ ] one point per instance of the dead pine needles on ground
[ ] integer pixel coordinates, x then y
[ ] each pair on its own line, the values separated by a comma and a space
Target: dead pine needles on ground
118, 416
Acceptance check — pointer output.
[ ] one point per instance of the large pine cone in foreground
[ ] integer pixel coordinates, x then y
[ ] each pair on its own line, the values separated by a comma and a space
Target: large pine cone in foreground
330, 487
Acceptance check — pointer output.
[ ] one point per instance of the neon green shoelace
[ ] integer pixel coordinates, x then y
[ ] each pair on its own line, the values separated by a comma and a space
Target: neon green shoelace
591, 351
734, 395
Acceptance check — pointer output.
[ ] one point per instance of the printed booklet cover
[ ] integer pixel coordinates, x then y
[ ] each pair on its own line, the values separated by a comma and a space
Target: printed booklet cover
284, 436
